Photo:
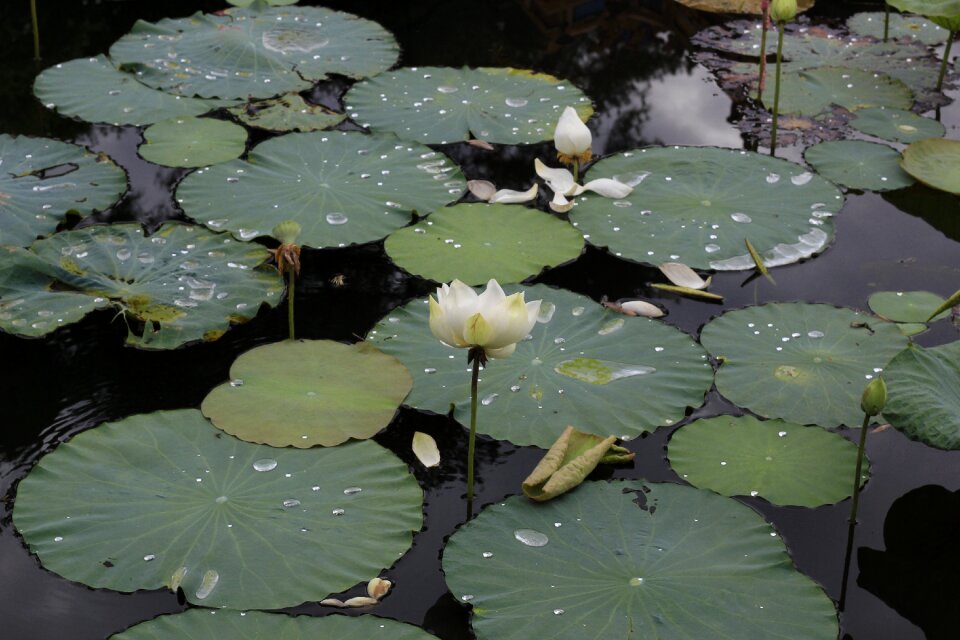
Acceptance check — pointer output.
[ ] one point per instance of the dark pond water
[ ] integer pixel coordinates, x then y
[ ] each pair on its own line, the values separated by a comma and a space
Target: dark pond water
631, 58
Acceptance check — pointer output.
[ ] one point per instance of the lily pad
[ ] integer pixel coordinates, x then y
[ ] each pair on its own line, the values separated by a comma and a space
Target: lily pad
192, 142
858, 164
697, 205
243, 53
205, 624
181, 284
810, 92
923, 394
611, 560
897, 125
577, 368
784, 463
305, 393
906, 306
906, 27
935, 163
476, 242
736, 6
43, 179
804, 363
93, 90
437, 105
341, 188
165, 500
287, 113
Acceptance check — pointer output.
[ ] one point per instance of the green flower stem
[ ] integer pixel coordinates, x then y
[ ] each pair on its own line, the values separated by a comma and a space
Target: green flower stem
946, 57
856, 477
776, 90
471, 446
291, 287
576, 170
763, 54
886, 20
36, 29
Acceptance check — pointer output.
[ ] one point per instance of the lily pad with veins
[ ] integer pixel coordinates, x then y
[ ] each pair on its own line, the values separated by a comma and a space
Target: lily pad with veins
697, 205
897, 125
192, 142
340, 187
923, 394
579, 363
622, 559
858, 164
164, 500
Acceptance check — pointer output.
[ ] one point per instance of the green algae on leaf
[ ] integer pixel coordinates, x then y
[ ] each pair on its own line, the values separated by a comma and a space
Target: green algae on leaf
165, 500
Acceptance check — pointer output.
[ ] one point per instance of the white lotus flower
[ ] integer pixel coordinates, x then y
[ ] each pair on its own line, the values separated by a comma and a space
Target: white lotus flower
572, 138
493, 321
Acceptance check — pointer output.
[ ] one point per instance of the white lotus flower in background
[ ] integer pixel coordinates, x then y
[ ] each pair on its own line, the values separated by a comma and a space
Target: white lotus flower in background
492, 320
572, 138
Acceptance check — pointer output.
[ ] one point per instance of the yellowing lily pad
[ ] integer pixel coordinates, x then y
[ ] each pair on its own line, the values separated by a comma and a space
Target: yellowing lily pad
192, 142
307, 393
934, 162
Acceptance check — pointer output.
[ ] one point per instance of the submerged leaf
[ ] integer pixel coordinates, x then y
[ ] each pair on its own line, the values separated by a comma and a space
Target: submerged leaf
569, 461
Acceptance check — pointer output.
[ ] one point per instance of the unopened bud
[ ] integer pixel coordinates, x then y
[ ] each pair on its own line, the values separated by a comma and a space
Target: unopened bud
783, 10
874, 397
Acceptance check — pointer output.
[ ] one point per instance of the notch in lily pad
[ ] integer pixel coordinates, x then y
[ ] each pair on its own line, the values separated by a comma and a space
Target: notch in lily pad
569, 461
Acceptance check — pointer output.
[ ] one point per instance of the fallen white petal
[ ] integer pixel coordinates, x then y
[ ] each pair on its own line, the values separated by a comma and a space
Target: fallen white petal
483, 189
509, 196
378, 587
641, 308
683, 276
559, 180
360, 601
560, 204
425, 448
333, 602
608, 188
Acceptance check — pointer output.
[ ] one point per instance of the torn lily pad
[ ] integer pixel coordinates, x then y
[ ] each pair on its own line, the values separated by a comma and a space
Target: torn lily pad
167, 501
44, 179
439, 105
287, 113
244, 53
569, 461
340, 187
181, 284
192, 142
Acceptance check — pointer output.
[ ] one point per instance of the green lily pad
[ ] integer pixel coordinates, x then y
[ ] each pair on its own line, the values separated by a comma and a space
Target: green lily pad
341, 188
923, 394
273, 3
935, 163
245, 53
287, 113
622, 559
906, 306
911, 328
164, 500
192, 142
580, 363
92, 89
476, 242
810, 92
858, 164
305, 393
870, 23
43, 179
697, 205
897, 125
736, 6
181, 284
940, 8
784, 463
205, 624
804, 363
437, 105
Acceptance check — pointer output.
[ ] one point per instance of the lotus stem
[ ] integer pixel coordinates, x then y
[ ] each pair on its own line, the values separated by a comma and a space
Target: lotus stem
946, 57
36, 30
476, 355
761, 84
856, 476
291, 287
776, 90
576, 170
886, 20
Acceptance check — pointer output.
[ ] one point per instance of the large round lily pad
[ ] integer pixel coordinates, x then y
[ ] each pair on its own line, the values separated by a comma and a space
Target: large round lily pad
92, 89
287, 113
580, 363
305, 393
245, 53
935, 163
858, 164
206, 624
697, 205
192, 142
165, 500
785, 463
623, 559
181, 284
476, 242
897, 125
810, 92
923, 394
43, 179
907, 27
437, 105
341, 188
805, 363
